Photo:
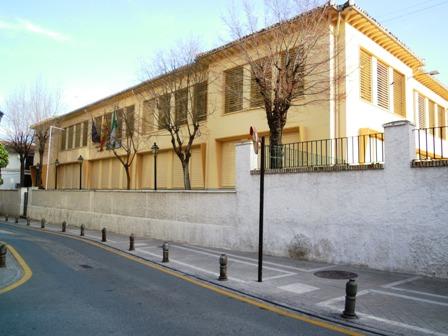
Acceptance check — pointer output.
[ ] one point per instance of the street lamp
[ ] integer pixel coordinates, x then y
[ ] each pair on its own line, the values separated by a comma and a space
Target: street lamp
80, 160
155, 150
37, 174
56, 164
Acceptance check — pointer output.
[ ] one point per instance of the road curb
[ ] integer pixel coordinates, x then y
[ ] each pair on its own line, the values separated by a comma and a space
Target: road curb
26, 270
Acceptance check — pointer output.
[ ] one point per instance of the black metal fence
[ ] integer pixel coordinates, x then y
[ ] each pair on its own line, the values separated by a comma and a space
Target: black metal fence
432, 143
354, 150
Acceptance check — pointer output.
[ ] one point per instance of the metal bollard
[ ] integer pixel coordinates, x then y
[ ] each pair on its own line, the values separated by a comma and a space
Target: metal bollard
28, 221
82, 230
6, 218
64, 226
350, 299
165, 250
3, 251
42, 223
131, 242
222, 268
17, 220
103, 235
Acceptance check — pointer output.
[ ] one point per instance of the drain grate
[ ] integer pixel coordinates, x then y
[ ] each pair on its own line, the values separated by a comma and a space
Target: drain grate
336, 275
85, 266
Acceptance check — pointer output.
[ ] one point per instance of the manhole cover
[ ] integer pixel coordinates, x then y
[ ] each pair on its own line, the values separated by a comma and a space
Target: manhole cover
85, 266
338, 275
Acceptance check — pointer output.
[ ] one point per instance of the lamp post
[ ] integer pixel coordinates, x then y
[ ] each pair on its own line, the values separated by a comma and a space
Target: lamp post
80, 160
56, 164
155, 150
38, 167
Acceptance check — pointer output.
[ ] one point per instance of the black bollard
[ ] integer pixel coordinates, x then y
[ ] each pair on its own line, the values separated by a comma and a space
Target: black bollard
3, 251
17, 220
222, 268
131, 242
350, 300
82, 230
103, 235
64, 226
6, 218
165, 252
42, 223
28, 221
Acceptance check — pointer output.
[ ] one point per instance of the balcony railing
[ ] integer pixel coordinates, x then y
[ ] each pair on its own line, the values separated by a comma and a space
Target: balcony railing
354, 150
431, 143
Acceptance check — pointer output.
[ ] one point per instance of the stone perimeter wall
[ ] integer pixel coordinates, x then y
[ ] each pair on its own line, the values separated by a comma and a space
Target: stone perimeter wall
392, 218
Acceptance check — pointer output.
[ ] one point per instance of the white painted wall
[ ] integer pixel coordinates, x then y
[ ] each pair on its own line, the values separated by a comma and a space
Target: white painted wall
389, 219
11, 173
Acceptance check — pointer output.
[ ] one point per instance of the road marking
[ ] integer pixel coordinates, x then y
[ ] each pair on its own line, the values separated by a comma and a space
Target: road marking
268, 262
193, 267
233, 260
329, 304
396, 283
98, 238
27, 273
419, 292
401, 324
7, 232
214, 288
140, 244
410, 297
278, 276
298, 288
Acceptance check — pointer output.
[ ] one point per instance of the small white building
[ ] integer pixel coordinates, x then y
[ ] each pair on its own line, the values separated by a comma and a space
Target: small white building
11, 174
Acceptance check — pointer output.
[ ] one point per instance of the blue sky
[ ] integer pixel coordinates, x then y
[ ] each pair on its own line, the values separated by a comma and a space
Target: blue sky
91, 49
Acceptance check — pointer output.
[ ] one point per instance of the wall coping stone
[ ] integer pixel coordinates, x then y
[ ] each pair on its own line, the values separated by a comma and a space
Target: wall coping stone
321, 169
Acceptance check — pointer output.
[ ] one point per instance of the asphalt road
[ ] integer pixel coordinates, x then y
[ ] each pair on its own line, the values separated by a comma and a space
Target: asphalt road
79, 289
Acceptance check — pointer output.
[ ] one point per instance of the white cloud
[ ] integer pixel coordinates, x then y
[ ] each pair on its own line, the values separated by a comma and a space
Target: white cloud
27, 26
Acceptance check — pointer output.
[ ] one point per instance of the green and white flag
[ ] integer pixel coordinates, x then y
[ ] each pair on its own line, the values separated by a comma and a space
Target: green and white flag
113, 131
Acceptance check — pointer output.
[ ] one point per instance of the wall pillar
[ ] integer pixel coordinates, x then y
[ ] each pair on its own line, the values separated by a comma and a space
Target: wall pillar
399, 144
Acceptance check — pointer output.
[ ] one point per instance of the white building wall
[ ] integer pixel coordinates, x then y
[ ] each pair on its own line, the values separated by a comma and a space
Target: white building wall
11, 173
389, 219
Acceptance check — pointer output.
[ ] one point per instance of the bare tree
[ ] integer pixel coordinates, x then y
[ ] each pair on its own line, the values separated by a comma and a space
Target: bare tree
289, 60
19, 134
177, 98
43, 104
124, 138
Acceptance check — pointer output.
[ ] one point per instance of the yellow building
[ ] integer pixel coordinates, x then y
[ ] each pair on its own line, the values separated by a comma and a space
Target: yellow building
382, 81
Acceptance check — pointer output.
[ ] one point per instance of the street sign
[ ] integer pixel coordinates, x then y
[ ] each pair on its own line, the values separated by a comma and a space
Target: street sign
254, 134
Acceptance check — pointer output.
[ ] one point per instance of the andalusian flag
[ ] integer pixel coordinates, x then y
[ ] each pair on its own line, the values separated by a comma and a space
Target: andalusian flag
113, 131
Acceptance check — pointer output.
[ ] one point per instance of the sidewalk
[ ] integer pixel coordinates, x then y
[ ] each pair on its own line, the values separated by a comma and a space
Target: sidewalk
387, 303
11, 273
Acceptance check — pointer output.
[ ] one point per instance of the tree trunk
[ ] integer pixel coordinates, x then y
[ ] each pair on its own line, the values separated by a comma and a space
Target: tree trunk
41, 162
276, 148
187, 183
22, 171
128, 178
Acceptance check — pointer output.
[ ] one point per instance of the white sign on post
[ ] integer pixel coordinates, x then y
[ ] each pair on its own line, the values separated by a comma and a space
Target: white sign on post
254, 135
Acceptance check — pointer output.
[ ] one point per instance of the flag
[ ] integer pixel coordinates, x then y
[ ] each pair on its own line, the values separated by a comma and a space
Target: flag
113, 131
95, 135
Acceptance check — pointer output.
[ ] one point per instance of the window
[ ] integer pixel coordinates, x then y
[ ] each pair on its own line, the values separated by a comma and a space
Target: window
294, 64
366, 75
77, 135
432, 114
264, 72
421, 111
99, 125
181, 106
233, 90
383, 85
85, 132
70, 137
164, 107
119, 115
441, 116
399, 94
200, 101
149, 107
130, 120
64, 139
